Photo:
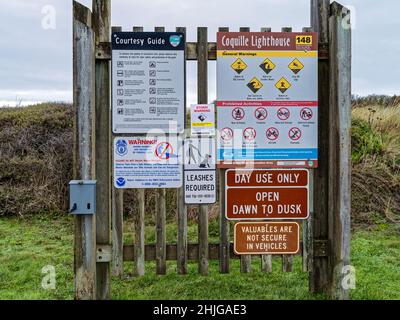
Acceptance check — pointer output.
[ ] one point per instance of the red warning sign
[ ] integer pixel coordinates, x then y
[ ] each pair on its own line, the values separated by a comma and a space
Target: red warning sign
272, 134
238, 114
266, 194
249, 134
283, 114
227, 134
164, 150
295, 134
261, 114
306, 114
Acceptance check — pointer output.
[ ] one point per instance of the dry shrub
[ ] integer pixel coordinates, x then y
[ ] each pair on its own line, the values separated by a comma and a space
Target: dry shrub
35, 158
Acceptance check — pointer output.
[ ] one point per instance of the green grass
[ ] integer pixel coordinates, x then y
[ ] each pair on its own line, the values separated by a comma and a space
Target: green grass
27, 245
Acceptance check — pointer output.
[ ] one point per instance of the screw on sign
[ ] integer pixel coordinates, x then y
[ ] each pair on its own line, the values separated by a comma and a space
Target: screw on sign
238, 113
295, 134
226, 134
283, 114
272, 134
306, 114
164, 150
261, 114
249, 134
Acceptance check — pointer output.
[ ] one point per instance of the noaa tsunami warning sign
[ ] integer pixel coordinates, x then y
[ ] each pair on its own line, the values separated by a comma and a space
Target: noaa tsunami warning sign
148, 162
266, 194
266, 238
202, 119
148, 86
267, 82
200, 177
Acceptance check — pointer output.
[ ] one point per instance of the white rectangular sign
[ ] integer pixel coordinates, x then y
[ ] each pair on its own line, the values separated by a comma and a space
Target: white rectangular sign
202, 118
200, 178
267, 89
148, 82
148, 162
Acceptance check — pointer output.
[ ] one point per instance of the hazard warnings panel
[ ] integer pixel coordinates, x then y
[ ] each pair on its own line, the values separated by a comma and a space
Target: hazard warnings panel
266, 238
267, 100
147, 162
263, 194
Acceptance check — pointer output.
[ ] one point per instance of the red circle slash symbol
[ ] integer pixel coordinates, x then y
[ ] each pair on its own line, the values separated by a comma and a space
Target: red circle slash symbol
272, 134
226, 134
295, 134
283, 114
261, 114
249, 134
164, 150
238, 114
306, 114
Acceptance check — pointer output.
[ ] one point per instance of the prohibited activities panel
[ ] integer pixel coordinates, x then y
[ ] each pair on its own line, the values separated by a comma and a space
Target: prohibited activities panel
267, 91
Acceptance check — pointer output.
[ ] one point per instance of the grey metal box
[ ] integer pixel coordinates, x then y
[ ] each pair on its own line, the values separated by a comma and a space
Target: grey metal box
82, 196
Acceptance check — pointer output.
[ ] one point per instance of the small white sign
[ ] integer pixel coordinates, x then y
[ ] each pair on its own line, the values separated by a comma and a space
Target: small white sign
200, 176
202, 119
148, 162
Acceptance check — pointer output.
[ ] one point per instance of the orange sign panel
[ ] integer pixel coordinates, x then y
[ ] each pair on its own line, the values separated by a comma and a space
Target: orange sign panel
267, 194
266, 238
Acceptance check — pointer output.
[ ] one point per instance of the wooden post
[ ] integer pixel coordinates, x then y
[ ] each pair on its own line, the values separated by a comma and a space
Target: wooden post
182, 255
202, 98
84, 105
319, 22
266, 260
101, 27
117, 198
161, 264
245, 260
224, 242
139, 225
307, 224
340, 149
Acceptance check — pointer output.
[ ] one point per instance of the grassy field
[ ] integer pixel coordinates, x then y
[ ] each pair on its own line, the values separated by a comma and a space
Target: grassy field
27, 245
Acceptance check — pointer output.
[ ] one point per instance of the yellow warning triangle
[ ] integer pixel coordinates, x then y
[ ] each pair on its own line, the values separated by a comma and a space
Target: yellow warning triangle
267, 66
282, 85
296, 66
255, 85
239, 66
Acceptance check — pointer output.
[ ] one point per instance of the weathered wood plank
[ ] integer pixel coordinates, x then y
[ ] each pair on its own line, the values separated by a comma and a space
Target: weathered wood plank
83, 168
101, 27
117, 203
202, 98
182, 243
193, 252
319, 272
340, 149
224, 224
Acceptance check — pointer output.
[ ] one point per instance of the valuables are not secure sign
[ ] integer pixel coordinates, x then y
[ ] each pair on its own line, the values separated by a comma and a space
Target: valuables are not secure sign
267, 194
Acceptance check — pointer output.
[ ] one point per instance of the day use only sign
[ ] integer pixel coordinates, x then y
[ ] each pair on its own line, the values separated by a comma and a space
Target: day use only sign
147, 162
267, 194
148, 82
267, 91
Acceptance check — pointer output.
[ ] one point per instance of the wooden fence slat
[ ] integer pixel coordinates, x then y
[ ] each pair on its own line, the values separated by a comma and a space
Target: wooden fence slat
340, 149
101, 27
117, 219
182, 213
319, 272
83, 87
161, 265
202, 98
224, 224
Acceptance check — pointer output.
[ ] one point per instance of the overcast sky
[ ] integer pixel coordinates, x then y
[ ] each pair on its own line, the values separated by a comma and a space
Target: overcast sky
36, 62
